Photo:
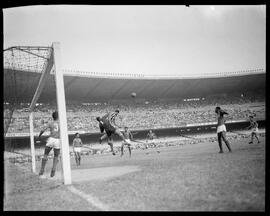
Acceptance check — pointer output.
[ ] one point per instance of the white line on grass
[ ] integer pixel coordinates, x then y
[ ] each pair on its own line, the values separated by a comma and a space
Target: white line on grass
92, 200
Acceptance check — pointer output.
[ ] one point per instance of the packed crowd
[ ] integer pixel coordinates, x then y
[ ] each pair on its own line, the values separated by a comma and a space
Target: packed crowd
143, 115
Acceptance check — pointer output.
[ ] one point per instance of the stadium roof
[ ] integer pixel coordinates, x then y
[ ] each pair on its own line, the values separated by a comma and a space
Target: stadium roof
94, 87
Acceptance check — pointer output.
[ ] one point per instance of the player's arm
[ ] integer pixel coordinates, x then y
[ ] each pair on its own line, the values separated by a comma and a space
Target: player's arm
222, 112
43, 130
130, 136
101, 127
81, 143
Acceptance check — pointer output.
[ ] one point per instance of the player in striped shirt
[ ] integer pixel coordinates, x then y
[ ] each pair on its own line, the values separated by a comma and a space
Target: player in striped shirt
107, 123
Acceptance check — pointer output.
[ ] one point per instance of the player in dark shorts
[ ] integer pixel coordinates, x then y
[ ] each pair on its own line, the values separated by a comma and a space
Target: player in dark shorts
254, 129
221, 129
107, 124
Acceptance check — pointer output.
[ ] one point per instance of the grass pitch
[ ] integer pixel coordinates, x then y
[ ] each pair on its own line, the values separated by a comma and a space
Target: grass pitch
177, 178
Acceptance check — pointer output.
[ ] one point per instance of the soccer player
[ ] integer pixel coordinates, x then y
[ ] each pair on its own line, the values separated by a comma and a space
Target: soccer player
128, 136
107, 123
77, 144
254, 129
53, 142
221, 129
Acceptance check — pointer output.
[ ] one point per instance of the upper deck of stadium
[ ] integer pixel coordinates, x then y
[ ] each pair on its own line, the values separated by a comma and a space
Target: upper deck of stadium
96, 86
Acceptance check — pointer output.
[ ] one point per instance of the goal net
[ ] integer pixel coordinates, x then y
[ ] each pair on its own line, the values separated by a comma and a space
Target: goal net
28, 70
20, 62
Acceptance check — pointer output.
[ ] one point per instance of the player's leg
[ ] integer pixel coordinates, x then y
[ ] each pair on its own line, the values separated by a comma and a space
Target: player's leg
44, 159
255, 134
252, 137
223, 135
146, 145
55, 160
122, 149
129, 150
79, 156
118, 132
76, 157
110, 143
129, 146
56, 149
104, 136
220, 142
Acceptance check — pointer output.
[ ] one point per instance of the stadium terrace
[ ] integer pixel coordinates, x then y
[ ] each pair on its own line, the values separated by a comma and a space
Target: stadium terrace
94, 86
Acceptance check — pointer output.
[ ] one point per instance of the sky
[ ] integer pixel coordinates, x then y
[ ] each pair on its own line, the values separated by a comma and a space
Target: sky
149, 40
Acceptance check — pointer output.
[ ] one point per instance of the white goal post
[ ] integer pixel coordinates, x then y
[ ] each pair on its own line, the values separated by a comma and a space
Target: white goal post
54, 62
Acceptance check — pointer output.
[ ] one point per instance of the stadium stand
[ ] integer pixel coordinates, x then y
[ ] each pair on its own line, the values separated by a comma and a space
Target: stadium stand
144, 114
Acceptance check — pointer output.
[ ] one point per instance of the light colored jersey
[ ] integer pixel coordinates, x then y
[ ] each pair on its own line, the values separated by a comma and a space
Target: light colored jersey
151, 136
127, 134
112, 117
77, 142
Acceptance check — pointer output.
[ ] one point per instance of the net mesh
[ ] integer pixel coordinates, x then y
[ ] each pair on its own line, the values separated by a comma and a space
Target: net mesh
18, 61
32, 59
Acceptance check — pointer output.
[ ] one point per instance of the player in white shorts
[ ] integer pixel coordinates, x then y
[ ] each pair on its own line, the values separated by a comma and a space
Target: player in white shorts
77, 144
254, 129
150, 137
221, 129
53, 142
128, 137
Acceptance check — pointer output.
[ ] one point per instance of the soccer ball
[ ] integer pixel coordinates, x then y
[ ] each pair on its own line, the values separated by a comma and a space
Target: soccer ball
133, 94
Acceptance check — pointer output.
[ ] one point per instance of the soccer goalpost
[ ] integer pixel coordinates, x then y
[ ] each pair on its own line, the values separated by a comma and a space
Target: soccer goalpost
50, 62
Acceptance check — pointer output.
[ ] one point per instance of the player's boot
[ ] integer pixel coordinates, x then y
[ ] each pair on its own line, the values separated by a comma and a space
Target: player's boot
111, 146
52, 173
